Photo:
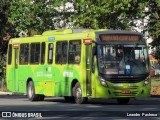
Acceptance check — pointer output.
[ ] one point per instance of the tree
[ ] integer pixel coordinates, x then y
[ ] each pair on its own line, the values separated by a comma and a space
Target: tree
117, 14
51, 14
6, 30
33, 15
37, 16
154, 26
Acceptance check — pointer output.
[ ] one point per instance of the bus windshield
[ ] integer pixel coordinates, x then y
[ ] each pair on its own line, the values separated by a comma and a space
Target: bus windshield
122, 59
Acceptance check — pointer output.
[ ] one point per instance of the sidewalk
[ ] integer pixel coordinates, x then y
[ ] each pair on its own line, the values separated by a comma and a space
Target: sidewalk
5, 93
11, 93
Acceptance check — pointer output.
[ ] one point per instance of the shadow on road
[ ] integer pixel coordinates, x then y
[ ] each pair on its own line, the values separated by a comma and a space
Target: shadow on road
57, 107
140, 101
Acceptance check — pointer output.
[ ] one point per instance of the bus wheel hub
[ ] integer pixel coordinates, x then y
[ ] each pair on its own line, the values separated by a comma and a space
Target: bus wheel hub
78, 93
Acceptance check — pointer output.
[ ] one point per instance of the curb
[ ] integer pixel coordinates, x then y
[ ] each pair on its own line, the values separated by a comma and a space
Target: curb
11, 93
5, 93
155, 96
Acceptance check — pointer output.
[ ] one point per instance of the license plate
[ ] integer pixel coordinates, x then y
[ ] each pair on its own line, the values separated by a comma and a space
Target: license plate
125, 92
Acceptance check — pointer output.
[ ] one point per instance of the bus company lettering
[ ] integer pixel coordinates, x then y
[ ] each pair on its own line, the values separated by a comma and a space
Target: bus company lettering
67, 74
49, 69
41, 74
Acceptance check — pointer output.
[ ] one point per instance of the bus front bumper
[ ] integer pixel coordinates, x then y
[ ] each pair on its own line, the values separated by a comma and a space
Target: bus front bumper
123, 90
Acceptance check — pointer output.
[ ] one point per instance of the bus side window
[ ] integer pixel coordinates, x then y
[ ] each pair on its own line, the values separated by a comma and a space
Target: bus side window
74, 52
24, 54
50, 53
34, 53
64, 52
9, 54
61, 52
58, 53
43, 46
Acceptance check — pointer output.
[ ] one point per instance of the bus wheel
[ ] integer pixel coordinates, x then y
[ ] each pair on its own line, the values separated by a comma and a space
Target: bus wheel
31, 92
77, 93
69, 99
123, 101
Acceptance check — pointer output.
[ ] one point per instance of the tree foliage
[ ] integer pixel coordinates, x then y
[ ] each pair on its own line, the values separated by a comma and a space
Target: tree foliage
33, 15
36, 16
5, 32
117, 14
40, 15
154, 26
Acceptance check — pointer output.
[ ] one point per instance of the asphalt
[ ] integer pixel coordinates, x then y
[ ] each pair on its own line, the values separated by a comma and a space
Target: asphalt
154, 97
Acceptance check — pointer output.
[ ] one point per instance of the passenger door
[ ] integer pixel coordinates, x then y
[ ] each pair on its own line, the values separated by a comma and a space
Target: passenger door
88, 51
15, 65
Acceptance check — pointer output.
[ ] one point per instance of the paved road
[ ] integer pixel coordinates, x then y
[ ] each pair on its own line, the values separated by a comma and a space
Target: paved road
57, 108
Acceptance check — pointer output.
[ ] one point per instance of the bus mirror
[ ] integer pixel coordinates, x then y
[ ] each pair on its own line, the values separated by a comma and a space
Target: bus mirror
94, 51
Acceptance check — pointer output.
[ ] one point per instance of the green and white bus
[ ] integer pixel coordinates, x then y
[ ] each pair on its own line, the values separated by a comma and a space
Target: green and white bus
78, 64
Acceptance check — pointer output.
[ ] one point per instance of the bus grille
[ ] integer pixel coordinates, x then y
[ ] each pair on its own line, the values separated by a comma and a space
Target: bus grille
125, 80
117, 90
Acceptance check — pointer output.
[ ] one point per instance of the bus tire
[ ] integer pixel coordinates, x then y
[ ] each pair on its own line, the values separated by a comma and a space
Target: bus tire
31, 92
77, 93
123, 101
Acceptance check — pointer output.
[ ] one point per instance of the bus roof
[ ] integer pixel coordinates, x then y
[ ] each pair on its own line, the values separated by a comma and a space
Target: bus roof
119, 32
54, 35
69, 34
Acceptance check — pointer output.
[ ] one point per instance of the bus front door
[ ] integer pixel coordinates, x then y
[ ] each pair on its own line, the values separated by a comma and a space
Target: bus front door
88, 54
15, 69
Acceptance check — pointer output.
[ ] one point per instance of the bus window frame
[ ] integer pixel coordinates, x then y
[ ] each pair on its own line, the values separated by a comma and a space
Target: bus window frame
75, 52
42, 58
25, 63
34, 53
9, 57
51, 52
61, 55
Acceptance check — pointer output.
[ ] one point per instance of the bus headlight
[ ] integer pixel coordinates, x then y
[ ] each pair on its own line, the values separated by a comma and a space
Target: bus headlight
146, 81
103, 81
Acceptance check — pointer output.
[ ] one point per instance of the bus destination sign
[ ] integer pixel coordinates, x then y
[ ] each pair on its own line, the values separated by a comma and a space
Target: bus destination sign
108, 37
